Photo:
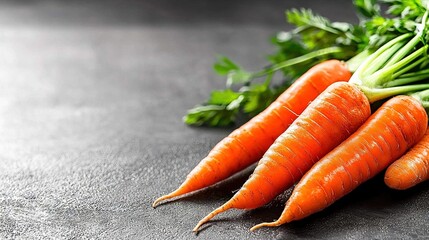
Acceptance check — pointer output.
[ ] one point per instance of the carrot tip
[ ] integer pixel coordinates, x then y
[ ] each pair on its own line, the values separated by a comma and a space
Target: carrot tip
197, 227
215, 212
156, 203
265, 224
160, 199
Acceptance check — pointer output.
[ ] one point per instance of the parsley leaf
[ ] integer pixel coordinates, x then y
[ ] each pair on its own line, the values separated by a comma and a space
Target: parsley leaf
367, 8
224, 65
314, 39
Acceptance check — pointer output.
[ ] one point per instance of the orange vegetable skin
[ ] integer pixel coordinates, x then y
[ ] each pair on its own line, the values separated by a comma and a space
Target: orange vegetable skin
412, 168
329, 120
247, 144
389, 132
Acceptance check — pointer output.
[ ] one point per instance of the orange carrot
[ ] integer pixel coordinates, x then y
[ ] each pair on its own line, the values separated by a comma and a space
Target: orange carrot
412, 168
385, 136
328, 121
247, 144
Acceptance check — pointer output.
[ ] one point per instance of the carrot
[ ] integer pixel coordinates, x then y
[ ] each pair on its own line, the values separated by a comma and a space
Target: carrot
247, 144
385, 136
412, 168
328, 121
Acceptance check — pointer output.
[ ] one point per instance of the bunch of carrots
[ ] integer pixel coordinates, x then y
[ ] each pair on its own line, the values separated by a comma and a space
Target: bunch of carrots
325, 134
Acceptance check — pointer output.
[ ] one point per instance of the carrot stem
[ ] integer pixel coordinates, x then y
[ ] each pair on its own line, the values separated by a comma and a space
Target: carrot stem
393, 59
381, 60
297, 60
403, 51
385, 74
403, 71
406, 80
375, 94
354, 62
424, 71
374, 59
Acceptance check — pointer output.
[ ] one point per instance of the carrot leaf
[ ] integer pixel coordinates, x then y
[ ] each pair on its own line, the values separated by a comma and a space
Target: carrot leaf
210, 115
224, 65
397, 65
403, 8
238, 76
314, 39
367, 8
222, 97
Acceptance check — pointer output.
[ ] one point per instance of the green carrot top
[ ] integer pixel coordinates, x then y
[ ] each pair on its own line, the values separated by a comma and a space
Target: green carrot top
392, 69
396, 66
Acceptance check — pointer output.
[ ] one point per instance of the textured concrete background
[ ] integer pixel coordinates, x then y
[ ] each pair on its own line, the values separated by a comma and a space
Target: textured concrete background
91, 100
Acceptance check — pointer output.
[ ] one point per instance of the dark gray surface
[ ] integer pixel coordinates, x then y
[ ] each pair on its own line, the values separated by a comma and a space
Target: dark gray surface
91, 99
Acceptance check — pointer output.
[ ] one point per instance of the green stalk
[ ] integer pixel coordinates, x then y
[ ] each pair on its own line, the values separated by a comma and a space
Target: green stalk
385, 74
298, 30
421, 72
381, 60
354, 62
404, 50
297, 60
245, 77
403, 71
406, 80
375, 94
361, 75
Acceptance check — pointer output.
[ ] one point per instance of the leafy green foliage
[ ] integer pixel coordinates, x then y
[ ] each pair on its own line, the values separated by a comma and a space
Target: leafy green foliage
312, 33
258, 97
220, 109
235, 74
222, 97
223, 106
367, 8
317, 32
381, 29
224, 65
287, 48
400, 17
406, 8
210, 115
397, 65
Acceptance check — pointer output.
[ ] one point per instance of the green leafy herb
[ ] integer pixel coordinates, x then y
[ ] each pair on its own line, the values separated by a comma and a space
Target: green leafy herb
224, 65
314, 39
367, 8
210, 115
406, 8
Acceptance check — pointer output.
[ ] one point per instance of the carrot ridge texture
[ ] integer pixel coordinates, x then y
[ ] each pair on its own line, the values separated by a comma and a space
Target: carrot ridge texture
247, 144
412, 168
397, 125
328, 120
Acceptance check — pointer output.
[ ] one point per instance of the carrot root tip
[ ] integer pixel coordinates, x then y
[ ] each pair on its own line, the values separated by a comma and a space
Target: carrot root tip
160, 199
156, 202
215, 212
197, 227
265, 224
202, 221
